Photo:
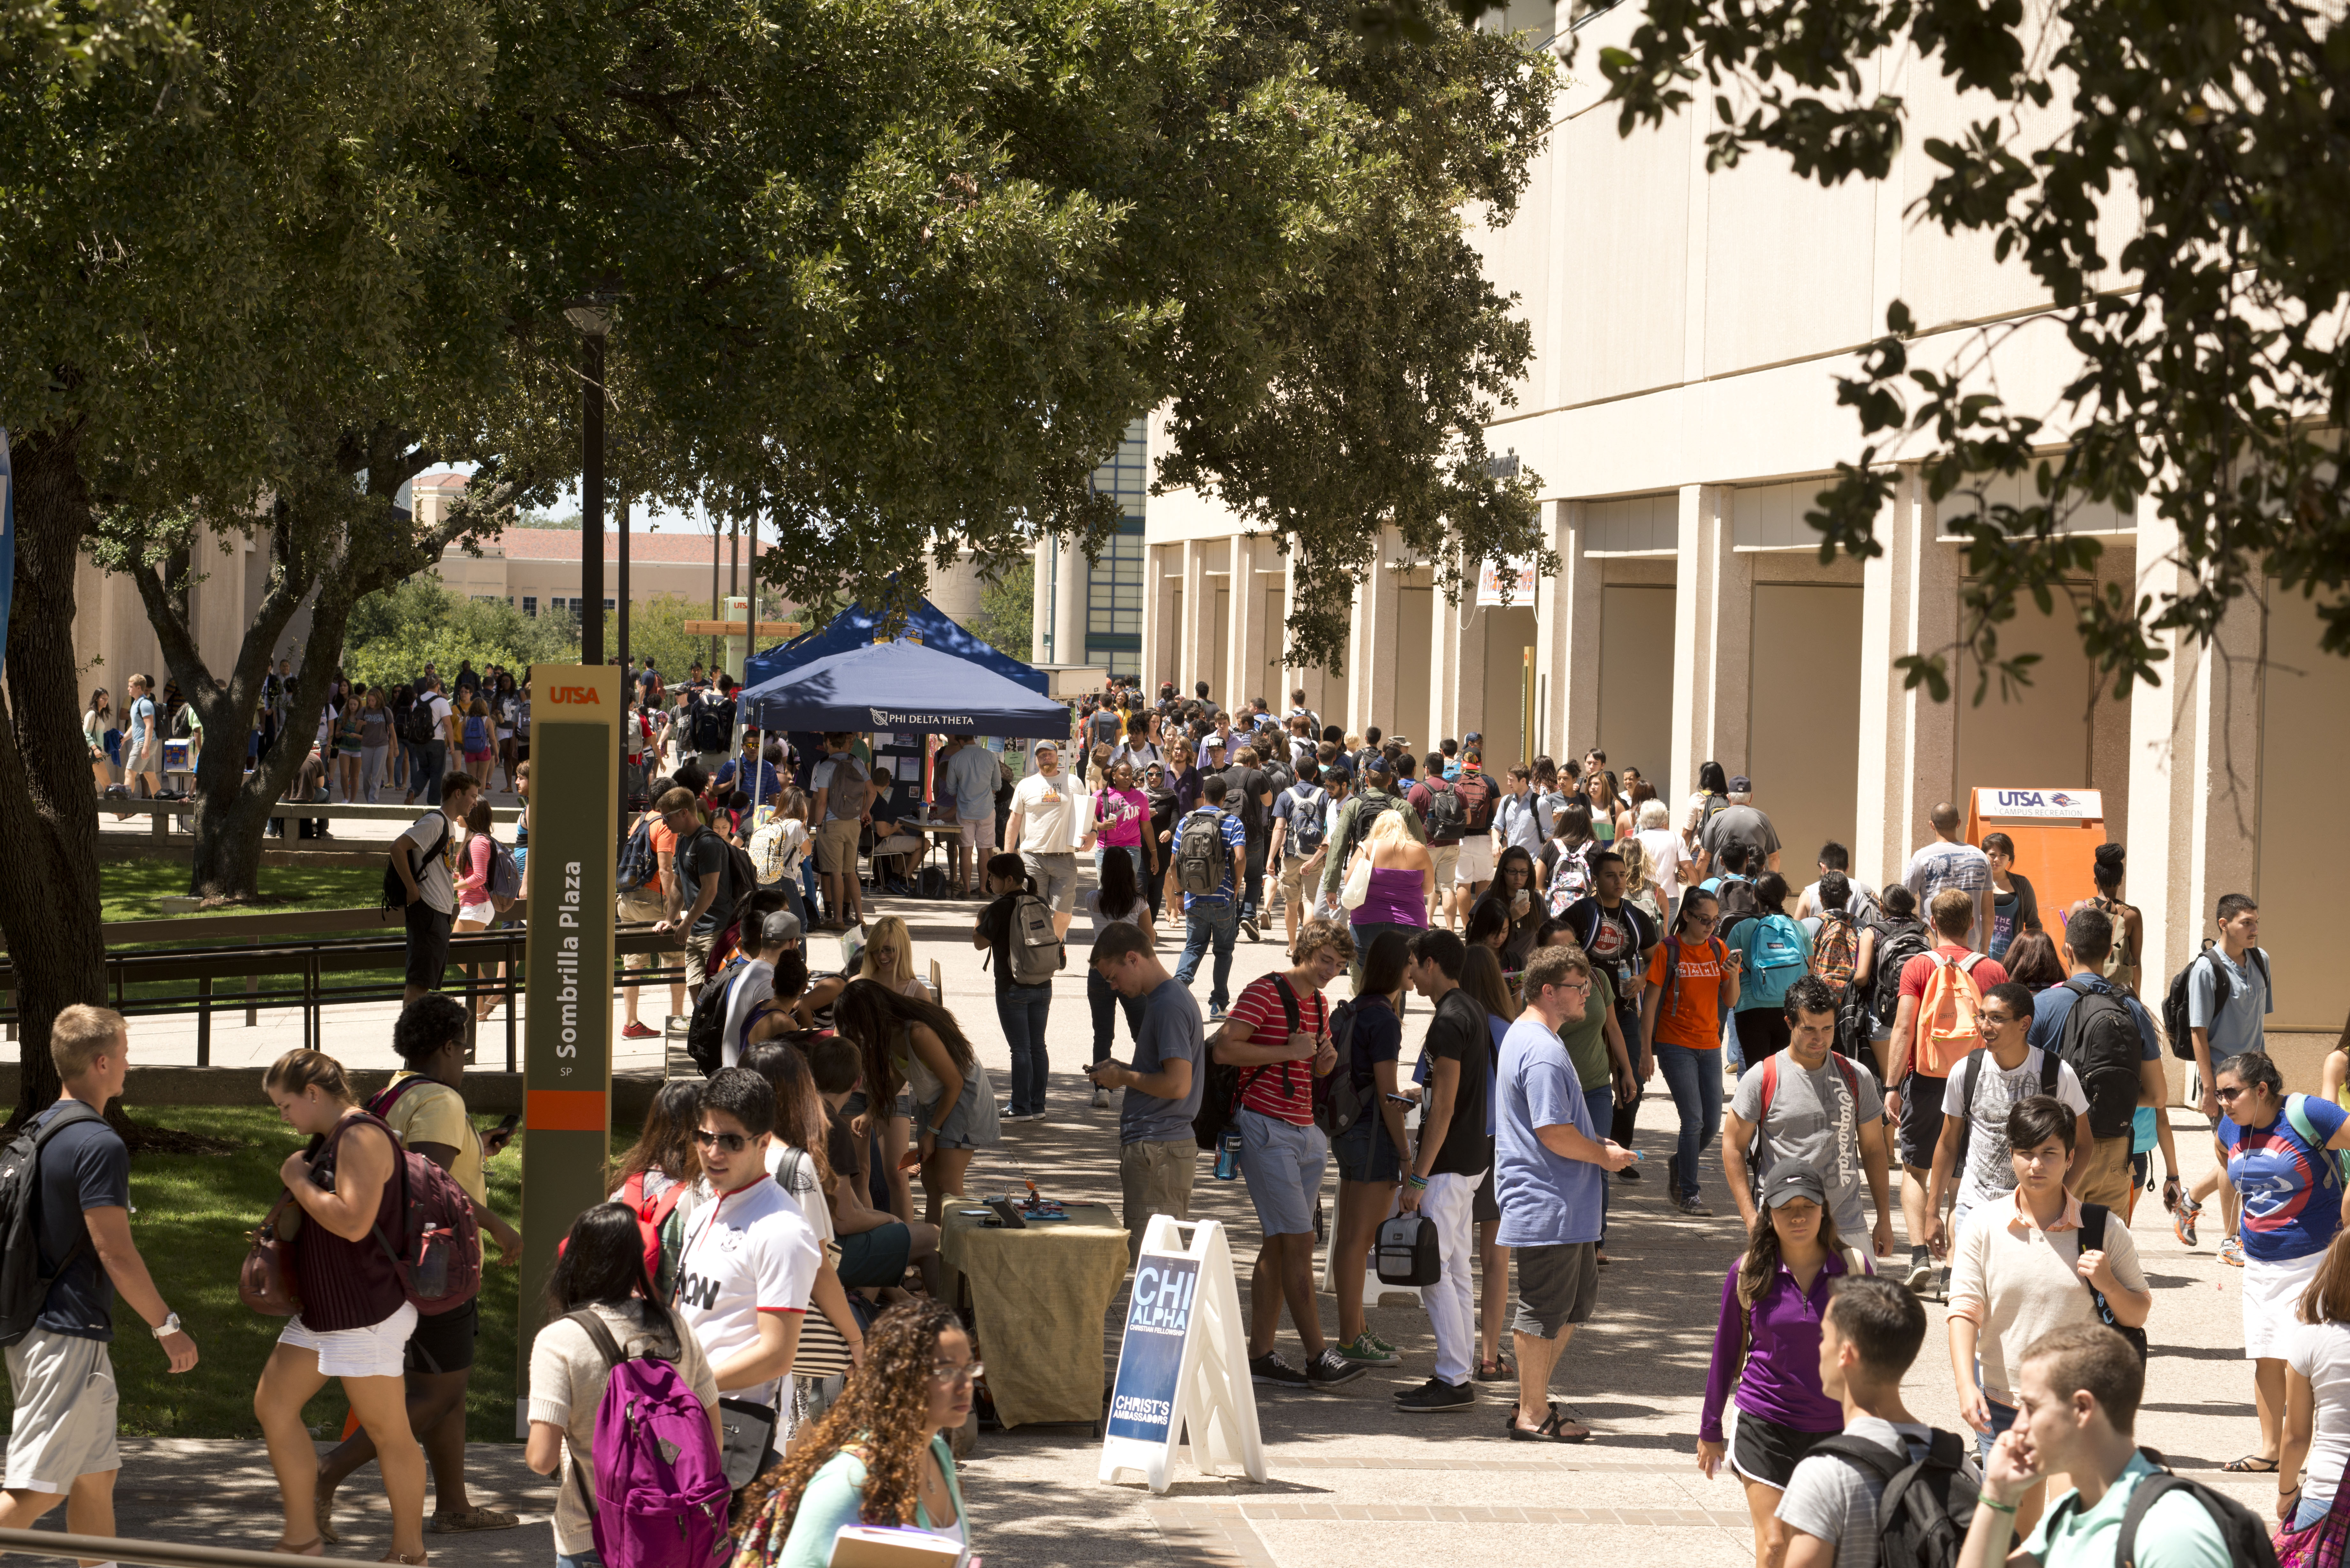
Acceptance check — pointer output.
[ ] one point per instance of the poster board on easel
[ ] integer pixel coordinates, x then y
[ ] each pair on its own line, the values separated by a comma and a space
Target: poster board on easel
1182, 1365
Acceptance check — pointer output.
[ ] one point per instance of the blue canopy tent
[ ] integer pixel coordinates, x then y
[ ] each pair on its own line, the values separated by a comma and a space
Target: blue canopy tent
900, 686
926, 626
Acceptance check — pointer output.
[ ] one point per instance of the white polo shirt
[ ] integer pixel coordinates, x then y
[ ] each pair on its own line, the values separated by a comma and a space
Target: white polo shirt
1048, 809
747, 1253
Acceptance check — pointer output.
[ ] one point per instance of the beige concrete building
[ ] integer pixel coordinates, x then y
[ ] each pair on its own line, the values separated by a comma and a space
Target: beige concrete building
1680, 411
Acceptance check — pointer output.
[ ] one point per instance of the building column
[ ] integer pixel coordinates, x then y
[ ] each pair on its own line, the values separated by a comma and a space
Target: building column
1370, 645
1566, 642
1069, 603
1154, 609
1040, 621
1197, 613
1713, 619
1244, 627
1908, 741
2195, 747
1444, 693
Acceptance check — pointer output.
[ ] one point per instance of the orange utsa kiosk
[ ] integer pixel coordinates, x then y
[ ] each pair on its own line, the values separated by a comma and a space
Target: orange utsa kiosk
2056, 833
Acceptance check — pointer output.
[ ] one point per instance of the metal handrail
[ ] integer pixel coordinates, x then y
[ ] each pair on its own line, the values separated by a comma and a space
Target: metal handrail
124, 1549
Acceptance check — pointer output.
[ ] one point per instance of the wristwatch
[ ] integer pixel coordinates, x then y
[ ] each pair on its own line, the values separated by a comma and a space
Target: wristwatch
167, 1327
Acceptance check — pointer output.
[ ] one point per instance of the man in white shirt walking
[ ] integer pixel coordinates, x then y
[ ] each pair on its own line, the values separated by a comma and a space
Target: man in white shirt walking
1047, 828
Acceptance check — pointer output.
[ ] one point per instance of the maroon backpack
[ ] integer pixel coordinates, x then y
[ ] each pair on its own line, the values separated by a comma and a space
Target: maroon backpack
439, 1250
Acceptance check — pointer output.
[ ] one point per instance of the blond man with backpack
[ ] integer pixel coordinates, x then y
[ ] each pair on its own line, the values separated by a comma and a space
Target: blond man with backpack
1936, 1024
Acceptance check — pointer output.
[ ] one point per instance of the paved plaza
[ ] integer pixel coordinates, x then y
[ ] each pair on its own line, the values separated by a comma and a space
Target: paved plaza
1350, 1478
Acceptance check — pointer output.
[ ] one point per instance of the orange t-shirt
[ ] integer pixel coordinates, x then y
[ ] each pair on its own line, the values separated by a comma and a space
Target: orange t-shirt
1691, 1013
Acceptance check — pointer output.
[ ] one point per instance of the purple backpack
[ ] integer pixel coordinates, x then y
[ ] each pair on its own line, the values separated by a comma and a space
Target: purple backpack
661, 1488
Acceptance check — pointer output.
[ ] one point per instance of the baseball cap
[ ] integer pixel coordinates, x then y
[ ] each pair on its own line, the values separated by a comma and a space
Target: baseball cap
1474, 737
780, 929
1380, 766
1049, 744
1790, 1179
1741, 784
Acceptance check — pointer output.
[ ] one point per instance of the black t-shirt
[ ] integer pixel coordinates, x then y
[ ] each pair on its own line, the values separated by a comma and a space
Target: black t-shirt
86, 1166
705, 855
1461, 1034
995, 925
1242, 786
1612, 939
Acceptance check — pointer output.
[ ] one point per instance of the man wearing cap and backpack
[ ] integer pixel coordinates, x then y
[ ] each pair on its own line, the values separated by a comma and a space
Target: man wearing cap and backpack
2108, 1040
1210, 855
1376, 795
1300, 817
1936, 1024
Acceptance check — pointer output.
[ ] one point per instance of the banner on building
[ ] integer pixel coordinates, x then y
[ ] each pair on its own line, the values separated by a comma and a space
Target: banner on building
1517, 572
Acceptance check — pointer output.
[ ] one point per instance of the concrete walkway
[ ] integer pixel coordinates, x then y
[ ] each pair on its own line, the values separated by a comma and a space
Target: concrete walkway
1352, 1480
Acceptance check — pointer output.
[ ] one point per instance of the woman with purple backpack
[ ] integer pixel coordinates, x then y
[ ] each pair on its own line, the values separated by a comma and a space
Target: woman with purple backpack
601, 1276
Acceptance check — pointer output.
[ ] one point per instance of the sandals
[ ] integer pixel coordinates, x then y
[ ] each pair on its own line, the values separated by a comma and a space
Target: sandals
470, 1520
314, 1547
1552, 1430
1497, 1370
2251, 1464
418, 1560
323, 1506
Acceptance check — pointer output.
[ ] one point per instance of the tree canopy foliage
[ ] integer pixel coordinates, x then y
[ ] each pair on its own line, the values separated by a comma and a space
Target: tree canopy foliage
2175, 177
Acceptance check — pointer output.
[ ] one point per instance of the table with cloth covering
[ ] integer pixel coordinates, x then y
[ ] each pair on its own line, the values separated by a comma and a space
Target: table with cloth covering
1039, 1297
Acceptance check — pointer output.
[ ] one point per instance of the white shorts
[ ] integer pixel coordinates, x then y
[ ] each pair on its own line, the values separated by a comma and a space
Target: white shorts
979, 831
486, 913
378, 1350
66, 1407
2272, 1292
1476, 863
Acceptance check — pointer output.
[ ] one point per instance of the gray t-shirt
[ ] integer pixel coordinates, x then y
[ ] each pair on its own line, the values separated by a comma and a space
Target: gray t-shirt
2229, 999
1834, 1499
1816, 1118
1748, 827
1171, 1032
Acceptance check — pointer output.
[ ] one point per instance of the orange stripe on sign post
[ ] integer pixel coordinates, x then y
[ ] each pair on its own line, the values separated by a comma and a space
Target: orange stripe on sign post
565, 1110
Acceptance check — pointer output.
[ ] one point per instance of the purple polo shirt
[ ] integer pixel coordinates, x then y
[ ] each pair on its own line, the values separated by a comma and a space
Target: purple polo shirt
1782, 1379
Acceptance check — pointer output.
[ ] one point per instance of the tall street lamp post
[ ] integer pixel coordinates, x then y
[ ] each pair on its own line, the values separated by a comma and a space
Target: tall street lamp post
592, 319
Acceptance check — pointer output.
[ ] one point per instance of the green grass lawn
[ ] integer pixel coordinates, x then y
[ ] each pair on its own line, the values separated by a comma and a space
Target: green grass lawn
193, 1214
133, 890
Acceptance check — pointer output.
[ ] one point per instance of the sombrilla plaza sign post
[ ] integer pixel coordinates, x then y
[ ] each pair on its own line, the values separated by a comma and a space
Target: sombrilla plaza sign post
567, 1023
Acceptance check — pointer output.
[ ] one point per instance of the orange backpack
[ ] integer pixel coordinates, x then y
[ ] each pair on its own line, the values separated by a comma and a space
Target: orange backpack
1950, 1017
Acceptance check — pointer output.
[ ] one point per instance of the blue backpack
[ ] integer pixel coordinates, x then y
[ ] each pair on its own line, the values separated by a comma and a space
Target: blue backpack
477, 734
1776, 947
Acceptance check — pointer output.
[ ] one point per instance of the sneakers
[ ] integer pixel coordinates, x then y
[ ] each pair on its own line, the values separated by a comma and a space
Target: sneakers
1249, 926
1329, 1370
1101, 1099
1363, 1348
2182, 1220
1686, 1202
1380, 1342
1271, 1371
1922, 1269
1629, 1173
636, 1030
1436, 1397
2231, 1252
1693, 1208
1008, 1114
1215, 1010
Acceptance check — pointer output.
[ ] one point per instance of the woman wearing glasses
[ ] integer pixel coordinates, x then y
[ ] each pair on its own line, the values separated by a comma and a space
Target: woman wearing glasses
1693, 976
879, 1457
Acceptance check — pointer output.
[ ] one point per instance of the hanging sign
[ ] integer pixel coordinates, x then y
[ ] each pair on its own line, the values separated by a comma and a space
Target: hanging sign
1518, 573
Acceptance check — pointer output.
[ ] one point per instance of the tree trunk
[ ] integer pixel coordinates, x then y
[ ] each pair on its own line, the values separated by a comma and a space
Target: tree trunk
49, 815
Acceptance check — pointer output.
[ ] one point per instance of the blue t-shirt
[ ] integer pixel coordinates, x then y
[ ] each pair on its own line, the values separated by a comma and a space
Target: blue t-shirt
86, 1166
1171, 1032
2054, 1005
1235, 837
768, 786
2291, 1192
142, 724
1778, 954
1547, 1200
971, 776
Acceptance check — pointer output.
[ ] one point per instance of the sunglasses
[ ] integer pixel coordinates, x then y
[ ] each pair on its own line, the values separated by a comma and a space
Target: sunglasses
732, 1143
2227, 1097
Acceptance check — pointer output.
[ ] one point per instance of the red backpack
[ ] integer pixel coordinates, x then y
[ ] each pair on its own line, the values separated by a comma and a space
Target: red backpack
652, 1216
439, 1252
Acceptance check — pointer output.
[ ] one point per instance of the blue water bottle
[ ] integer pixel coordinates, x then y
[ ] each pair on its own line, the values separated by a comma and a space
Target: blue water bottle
1227, 1157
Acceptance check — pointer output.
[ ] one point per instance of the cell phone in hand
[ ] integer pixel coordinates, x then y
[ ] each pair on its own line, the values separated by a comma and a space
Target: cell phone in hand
1405, 1100
512, 1120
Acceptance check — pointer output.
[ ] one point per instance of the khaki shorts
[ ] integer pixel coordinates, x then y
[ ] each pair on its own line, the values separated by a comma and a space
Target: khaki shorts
1291, 866
697, 960
65, 1406
835, 847
1447, 857
1155, 1179
979, 833
643, 903
2106, 1178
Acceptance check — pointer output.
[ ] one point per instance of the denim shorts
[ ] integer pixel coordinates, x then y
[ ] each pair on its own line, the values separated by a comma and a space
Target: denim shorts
1282, 1164
1366, 1153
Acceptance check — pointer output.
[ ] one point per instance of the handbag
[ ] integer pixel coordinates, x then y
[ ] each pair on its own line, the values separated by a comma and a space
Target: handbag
1406, 1253
746, 1440
2319, 1545
1357, 886
265, 1282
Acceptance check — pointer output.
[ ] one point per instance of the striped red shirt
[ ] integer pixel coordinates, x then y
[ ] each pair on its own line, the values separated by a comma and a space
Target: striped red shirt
1282, 1090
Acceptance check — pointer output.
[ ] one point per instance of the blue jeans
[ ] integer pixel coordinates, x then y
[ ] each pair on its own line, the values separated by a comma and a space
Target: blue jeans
588, 1559
1102, 999
1210, 920
1695, 1079
2002, 1417
1601, 1103
1021, 1008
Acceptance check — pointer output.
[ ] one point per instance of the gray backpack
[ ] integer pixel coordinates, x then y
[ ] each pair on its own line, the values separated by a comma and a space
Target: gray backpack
1200, 859
1034, 954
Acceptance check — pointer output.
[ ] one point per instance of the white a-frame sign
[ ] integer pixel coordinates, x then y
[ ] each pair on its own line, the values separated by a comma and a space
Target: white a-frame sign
1182, 1367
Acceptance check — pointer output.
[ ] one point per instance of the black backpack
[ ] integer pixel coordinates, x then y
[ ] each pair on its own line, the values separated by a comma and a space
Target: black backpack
1928, 1503
1970, 1073
2093, 1240
24, 1288
705, 1027
1221, 1096
2100, 1043
395, 895
2174, 1001
713, 724
1895, 945
1446, 817
1338, 1102
2248, 1545
1737, 902
419, 729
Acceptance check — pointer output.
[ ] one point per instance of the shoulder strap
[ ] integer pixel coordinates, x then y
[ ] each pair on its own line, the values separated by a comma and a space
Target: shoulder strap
2051, 1066
606, 1346
1967, 964
1770, 1085
2148, 1491
2296, 1111
1875, 1458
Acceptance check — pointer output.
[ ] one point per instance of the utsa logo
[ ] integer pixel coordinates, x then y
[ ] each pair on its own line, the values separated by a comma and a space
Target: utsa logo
573, 694
698, 1290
